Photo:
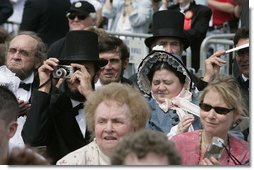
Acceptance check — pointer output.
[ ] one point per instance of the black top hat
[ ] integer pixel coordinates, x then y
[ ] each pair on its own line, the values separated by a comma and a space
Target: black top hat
82, 46
82, 8
168, 23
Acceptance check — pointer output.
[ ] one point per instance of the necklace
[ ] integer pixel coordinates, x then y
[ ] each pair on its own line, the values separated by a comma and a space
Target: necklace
203, 146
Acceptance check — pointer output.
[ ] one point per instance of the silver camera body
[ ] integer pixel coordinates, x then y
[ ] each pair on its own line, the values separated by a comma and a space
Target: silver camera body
63, 71
215, 148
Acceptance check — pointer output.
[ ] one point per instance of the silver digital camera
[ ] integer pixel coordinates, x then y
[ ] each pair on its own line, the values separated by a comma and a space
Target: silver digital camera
215, 148
63, 71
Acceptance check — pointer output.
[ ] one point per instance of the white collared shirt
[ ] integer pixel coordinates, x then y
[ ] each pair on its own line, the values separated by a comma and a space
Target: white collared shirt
17, 140
244, 78
182, 9
97, 84
81, 119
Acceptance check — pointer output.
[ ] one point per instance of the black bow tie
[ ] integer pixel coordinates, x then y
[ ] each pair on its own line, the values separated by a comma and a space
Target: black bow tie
77, 108
25, 86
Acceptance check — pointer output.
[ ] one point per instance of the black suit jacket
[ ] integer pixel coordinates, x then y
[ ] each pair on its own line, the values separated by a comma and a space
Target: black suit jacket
199, 26
51, 122
245, 91
126, 81
47, 18
6, 10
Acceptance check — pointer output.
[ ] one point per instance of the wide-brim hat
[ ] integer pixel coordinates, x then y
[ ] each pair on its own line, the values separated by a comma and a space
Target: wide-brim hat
82, 8
82, 46
150, 60
168, 23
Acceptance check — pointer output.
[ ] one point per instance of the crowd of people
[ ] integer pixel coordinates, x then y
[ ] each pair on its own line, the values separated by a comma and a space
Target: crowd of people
65, 100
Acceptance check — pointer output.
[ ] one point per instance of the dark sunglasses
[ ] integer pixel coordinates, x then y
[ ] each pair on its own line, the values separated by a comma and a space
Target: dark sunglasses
242, 52
219, 110
73, 16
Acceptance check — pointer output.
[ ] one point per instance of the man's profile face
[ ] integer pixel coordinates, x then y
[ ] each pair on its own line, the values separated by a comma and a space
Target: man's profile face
242, 57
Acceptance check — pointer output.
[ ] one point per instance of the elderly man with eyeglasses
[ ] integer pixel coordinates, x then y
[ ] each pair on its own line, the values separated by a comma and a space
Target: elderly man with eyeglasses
25, 53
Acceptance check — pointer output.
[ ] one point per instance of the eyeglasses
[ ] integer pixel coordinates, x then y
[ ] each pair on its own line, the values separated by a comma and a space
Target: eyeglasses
113, 61
72, 16
219, 110
21, 52
242, 52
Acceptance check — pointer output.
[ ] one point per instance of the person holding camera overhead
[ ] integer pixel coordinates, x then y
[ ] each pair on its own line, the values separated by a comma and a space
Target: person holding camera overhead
57, 118
221, 105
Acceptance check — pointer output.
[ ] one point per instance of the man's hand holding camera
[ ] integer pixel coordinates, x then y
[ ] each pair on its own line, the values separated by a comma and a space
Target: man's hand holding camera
77, 75
81, 79
45, 72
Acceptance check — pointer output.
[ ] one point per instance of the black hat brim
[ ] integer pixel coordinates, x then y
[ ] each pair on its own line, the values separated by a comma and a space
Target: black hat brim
81, 12
100, 62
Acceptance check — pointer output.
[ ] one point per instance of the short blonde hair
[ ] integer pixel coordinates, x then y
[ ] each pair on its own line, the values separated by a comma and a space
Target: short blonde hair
229, 89
124, 94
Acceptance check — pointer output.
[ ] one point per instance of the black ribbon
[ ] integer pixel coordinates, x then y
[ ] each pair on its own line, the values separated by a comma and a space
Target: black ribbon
25, 86
77, 108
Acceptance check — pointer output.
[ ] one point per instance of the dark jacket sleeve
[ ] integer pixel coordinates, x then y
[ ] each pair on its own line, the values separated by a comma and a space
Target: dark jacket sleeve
6, 10
36, 127
201, 23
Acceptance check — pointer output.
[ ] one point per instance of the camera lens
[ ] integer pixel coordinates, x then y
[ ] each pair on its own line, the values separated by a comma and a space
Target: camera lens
61, 72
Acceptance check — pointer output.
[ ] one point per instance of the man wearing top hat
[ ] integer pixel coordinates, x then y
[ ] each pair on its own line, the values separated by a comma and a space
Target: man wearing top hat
168, 32
80, 15
196, 23
57, 118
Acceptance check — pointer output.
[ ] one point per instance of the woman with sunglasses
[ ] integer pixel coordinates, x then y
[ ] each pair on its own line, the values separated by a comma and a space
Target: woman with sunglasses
220, 106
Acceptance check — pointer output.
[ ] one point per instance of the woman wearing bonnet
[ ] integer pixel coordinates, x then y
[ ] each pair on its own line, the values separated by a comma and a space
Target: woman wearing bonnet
167, 85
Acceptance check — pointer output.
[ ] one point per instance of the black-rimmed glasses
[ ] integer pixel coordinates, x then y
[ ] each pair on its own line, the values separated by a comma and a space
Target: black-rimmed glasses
22, 52
219, 110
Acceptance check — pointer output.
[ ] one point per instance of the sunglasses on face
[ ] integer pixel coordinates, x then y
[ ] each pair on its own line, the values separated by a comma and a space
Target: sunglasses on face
73, 16
219, 110
242, 52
